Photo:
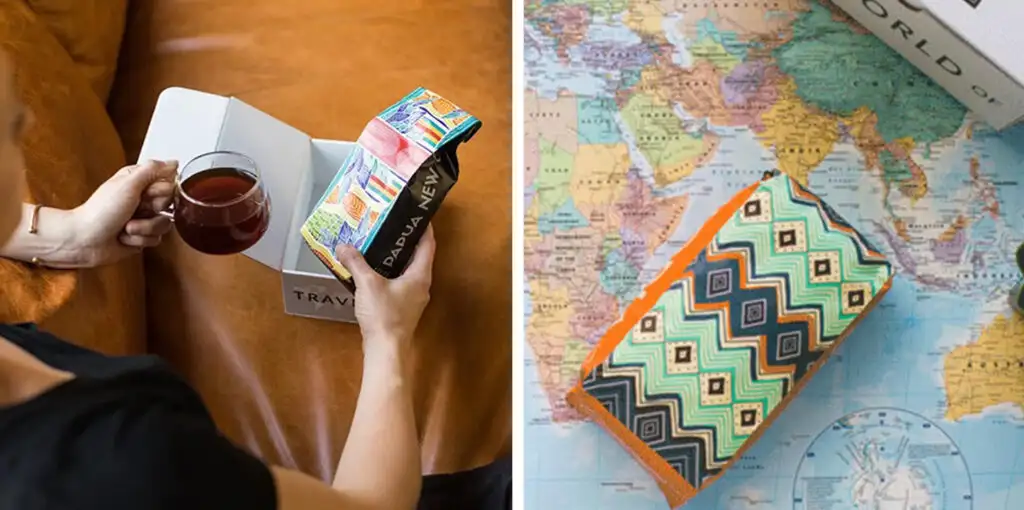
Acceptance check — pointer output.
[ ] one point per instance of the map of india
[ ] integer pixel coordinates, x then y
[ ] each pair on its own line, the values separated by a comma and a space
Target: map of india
644, 116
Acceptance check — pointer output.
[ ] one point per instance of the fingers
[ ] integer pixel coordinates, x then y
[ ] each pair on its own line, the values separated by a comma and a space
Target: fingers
419, 268
354, 262
128, 171
422, 263
157, 197
138, 241
152, 181
141, 176
149, 227
145, 233
159, 189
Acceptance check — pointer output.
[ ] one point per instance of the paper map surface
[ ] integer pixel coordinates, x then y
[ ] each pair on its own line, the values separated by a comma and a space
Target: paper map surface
643, 116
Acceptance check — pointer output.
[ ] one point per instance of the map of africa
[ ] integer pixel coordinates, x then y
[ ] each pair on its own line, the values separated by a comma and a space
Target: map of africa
643, 116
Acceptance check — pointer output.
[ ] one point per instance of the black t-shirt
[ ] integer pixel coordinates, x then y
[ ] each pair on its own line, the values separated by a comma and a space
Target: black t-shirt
126, 433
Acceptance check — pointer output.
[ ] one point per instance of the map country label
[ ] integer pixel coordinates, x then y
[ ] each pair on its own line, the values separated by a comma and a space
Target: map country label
801, 136
553, 176
750, 20
673, 152
551, 119
839, 71
599, 180
988, 372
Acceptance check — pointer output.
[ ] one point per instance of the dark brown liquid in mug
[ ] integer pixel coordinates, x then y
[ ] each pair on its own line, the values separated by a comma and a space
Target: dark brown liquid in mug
222, 224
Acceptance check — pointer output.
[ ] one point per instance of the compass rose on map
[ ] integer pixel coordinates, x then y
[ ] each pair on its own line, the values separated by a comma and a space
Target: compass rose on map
882, 459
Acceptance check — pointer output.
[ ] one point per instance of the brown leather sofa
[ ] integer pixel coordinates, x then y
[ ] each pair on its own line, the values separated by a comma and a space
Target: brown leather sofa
283, 386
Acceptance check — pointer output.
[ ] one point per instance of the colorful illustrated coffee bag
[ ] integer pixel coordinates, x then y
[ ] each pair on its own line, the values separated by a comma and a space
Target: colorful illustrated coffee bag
392, 183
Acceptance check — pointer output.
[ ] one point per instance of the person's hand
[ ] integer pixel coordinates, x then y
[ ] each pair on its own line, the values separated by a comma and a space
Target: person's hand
120, 218
389, 310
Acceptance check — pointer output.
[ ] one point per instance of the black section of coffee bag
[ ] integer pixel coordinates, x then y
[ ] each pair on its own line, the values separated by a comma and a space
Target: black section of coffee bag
400, 232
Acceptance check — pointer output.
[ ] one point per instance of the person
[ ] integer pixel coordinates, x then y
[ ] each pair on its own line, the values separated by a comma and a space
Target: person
81, 430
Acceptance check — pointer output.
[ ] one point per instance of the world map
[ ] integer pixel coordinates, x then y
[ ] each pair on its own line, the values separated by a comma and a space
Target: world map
644, 116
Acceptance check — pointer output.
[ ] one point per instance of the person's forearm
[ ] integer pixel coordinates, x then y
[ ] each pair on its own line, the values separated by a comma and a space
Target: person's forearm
50, 245
380, 465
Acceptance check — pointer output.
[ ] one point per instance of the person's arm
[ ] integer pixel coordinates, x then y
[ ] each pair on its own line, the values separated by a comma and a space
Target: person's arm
380, 467
381, 460
115, 222
51, 244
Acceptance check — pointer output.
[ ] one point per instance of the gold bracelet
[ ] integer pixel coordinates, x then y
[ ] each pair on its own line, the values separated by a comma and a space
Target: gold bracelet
33, 226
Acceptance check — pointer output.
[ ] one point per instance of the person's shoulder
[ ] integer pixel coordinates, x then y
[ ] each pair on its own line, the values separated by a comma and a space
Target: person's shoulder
23, 332
52, 350
64, 355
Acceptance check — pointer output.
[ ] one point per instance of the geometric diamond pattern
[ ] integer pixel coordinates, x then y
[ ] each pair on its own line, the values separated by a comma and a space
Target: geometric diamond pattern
650, 328
715, 388
788, 345
790, 237
650, 426
824, 267
681, 357
855, 297
719, 283
747, 416
757, 209
726, 339
755, 313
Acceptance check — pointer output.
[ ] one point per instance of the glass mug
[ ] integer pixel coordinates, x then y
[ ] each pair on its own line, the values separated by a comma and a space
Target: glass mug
220, 205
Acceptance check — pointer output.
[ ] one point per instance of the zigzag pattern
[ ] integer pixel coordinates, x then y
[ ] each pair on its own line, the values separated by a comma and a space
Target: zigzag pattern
834, 221
725, 344
735, 354
618, 394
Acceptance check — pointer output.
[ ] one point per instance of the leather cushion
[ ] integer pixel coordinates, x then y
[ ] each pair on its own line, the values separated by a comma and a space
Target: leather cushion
70, 148
90, 31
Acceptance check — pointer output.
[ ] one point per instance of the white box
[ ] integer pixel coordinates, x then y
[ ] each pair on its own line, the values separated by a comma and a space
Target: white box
972, 48
295, 169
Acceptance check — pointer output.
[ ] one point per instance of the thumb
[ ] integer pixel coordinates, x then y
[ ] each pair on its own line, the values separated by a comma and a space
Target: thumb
355, 264
139, 177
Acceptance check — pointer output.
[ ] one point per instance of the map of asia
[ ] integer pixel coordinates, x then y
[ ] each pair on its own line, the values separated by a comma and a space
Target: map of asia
643, 116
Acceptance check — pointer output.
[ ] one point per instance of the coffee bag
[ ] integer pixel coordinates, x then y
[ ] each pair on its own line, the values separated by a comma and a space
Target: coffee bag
389, 188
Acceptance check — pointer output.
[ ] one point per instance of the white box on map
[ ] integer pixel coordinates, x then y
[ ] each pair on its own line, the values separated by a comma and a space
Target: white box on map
295, 169
972, 48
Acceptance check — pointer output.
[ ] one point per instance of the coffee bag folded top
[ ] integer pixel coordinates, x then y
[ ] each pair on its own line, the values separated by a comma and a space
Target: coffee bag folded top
389, 187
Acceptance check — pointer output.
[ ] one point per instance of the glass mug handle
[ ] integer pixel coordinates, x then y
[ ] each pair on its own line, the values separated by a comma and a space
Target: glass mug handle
168, 213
